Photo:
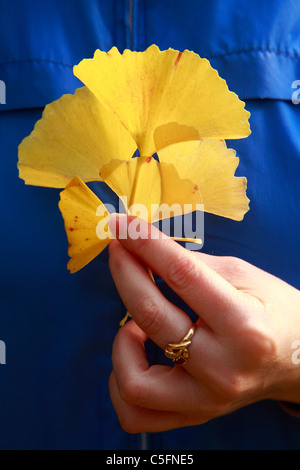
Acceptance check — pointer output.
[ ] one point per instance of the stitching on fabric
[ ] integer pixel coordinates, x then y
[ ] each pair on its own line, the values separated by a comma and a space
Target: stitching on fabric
245, 51
272, 51
36, 60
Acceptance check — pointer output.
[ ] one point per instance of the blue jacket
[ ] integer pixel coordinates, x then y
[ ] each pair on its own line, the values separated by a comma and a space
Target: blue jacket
59, 328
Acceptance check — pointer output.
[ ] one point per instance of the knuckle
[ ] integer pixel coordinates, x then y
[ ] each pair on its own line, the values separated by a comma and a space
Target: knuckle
154, 315
235, 267
228, 389
181, 273
127, 415
233, 387
131, 390
265, 345
259, 345
115, 260
234, 262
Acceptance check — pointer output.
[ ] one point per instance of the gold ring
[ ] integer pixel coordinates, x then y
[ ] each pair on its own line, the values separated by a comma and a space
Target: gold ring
178, 352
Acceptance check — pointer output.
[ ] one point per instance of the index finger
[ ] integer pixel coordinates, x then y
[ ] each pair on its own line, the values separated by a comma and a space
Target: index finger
213, 298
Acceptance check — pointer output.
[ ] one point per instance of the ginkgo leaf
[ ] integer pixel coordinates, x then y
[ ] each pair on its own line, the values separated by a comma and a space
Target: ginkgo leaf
154, 88
171, 133
211, 165
86, 226
154, 186
75, 136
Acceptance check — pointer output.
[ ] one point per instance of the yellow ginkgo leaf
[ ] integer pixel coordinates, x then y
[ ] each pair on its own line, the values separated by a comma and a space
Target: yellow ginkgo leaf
150, 89
211, 165
85, 223
154, 186
171, 133
75, 136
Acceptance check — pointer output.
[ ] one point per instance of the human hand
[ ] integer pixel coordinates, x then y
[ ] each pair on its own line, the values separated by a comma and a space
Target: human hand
240, 352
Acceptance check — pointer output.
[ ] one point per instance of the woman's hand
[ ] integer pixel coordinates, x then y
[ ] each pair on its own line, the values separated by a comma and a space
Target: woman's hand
241, 351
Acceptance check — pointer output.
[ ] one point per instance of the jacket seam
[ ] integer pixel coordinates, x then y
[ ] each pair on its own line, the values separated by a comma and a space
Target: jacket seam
36, 60
278, 52
216, 56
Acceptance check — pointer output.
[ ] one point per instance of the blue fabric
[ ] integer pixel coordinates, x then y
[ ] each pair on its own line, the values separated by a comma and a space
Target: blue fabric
59, 328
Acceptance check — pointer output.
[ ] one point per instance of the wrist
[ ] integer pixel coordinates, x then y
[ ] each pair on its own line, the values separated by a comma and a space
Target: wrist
287, 388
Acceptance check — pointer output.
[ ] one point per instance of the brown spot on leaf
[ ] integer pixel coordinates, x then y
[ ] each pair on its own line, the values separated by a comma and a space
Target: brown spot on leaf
71, 229
148, 160
177, 59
